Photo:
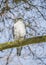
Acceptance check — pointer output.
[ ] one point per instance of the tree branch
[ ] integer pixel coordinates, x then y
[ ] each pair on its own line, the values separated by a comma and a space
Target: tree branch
36, 7
18, 43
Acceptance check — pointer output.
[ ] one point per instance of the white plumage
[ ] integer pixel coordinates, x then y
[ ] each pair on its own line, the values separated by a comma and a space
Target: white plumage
19, 29
19, 32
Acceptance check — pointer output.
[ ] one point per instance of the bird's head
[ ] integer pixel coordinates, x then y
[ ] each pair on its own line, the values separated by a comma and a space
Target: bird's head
18, 20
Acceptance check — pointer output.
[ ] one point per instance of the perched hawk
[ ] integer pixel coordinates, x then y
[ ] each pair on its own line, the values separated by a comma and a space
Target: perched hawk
19, 32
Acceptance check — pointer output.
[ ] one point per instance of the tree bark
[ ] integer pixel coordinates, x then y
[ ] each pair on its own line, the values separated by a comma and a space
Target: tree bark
24, 42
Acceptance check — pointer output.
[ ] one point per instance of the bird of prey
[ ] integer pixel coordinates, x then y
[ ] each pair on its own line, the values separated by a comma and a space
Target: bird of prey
19, 32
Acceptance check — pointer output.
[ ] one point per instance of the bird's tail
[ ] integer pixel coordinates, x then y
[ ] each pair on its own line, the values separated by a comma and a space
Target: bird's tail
19, 51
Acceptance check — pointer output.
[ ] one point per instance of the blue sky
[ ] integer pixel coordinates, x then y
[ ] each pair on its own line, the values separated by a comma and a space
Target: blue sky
37, 55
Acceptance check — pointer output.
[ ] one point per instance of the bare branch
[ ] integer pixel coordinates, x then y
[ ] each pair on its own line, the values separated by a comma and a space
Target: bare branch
36, 6
19, 43
9, 57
